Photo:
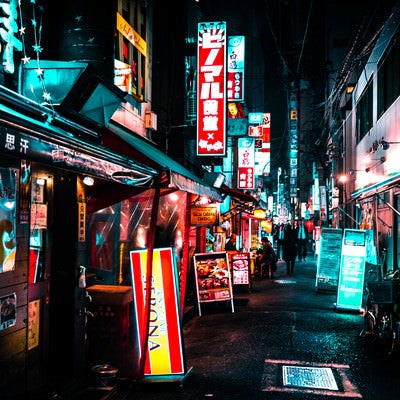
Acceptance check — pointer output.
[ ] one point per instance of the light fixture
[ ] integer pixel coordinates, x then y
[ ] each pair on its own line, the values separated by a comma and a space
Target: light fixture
350, 88
259, 213
379, 161
88, 181
385, 144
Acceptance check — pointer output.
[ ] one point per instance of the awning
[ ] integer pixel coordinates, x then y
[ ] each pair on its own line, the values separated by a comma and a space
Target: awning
378, 187
37, 133
40, 134
176, 176
238, 195
242, 202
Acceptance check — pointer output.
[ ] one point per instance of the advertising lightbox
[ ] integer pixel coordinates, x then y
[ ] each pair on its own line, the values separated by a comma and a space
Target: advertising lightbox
352, 266
211, 93
235, 68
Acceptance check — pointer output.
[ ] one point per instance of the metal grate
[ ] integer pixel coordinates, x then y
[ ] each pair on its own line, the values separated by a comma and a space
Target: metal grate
309, 377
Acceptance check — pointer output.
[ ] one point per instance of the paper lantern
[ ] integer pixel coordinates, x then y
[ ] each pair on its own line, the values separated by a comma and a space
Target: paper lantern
309, 224
259, 213
266, 225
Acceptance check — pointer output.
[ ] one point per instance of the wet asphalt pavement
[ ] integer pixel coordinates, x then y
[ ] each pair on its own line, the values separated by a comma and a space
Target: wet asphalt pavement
284, 340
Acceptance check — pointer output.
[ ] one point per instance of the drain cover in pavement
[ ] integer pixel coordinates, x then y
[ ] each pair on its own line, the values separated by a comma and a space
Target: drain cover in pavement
308, 377
296, 376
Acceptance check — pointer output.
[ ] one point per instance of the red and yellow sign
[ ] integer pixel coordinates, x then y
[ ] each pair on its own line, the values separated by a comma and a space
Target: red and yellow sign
211, 93
164, 349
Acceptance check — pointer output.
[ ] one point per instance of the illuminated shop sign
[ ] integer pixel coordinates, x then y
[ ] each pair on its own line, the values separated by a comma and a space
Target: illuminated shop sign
235, 68
19, 144
8, 33
203, 216
164, 348
245, 179
211, 93
263, 145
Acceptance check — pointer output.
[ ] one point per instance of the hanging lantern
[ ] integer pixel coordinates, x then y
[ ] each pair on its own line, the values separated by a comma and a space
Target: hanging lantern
309, 224
266, 224
259, 213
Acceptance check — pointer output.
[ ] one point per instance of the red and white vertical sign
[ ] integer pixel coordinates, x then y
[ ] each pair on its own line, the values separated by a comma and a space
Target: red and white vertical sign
164, 350
211, 89
245, 179
235, 68
263, 149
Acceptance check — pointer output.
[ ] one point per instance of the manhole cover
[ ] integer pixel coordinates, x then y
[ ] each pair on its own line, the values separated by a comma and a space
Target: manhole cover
309, 377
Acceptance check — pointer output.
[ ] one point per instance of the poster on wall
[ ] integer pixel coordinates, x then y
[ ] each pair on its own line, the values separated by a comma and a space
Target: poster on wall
33, 324
8, 307
8, 190
164, 355
328, 263
213, 278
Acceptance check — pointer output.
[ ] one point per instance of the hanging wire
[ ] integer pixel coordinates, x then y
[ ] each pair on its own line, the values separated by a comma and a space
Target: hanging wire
304, 39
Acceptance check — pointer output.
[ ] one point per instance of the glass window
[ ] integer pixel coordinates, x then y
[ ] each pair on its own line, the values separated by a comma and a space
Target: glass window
364, 112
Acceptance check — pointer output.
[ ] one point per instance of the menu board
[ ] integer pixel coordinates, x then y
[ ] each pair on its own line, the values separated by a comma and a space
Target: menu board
352, 266
240, 268
213, 278
329, 259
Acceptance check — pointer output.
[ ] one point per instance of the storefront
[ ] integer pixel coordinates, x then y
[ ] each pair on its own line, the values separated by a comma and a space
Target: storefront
377, 210
44, 160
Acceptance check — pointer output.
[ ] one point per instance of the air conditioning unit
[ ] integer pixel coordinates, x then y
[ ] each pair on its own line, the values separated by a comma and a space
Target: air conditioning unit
150, 120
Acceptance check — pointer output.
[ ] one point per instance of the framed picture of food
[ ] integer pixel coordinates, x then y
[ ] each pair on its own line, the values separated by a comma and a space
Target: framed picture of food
213, 278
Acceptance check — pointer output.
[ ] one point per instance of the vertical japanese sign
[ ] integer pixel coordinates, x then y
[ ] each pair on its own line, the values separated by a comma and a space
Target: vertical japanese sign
245, 179
235, 68
211, 92
240, 268
293, 144
9, 33
263, 146
164, 348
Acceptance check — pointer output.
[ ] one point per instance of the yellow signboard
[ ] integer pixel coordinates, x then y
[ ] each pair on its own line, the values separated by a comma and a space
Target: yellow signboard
203, 215
129, 33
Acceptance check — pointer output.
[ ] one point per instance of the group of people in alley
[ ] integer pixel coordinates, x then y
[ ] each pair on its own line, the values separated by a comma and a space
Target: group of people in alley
292, 242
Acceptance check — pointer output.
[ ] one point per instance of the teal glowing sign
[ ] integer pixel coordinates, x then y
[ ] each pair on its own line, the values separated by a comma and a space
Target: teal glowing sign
352, 266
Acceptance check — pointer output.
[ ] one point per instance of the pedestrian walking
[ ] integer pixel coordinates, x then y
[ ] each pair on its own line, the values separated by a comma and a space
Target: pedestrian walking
302, 240
289, 248
268, 258
280, 233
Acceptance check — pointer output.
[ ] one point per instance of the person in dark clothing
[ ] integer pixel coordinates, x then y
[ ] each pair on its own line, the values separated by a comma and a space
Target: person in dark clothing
231, 243
280, 233
289, 248
302, 240
268, 258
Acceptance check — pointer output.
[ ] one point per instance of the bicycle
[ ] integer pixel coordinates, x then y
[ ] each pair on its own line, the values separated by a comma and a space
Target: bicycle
381, 318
